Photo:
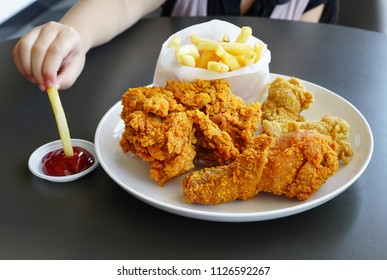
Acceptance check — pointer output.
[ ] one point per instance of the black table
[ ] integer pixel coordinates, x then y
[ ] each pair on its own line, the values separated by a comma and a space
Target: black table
94, 218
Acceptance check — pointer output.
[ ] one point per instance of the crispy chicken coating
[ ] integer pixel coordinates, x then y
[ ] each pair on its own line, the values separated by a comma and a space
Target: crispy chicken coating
213, 144
332, 126
297, 165
172, 127
226, 183
216, 100
166, 143
286, 100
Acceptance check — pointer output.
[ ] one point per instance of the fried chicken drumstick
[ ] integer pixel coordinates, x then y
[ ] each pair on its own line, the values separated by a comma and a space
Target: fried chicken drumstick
296, 165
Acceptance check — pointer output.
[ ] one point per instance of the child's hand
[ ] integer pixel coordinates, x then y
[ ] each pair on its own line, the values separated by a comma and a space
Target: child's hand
50, 54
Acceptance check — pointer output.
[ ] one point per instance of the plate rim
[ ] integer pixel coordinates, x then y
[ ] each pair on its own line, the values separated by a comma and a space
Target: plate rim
240, 216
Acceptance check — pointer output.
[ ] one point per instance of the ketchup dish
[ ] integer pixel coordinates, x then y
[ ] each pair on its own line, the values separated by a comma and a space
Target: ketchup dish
50, 163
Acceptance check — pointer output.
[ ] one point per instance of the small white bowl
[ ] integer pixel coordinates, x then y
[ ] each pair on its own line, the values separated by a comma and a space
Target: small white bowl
35, 161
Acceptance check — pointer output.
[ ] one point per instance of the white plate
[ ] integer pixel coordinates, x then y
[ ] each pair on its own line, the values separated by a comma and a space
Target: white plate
132, 174
35, 161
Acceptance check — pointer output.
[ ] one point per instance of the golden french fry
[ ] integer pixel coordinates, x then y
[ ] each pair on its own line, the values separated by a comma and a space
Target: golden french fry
247, 59
195, 39
232, 48
225, 38
175, 43
258, 49
187, 60
244, 34
61, 121
230, 60
206, 57
188, 50
218, 66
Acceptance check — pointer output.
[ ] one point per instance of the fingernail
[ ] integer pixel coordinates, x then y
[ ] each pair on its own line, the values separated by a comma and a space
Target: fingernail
32, 80
42, 87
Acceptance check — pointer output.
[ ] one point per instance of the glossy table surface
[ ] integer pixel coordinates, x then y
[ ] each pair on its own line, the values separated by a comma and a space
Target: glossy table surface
94, 218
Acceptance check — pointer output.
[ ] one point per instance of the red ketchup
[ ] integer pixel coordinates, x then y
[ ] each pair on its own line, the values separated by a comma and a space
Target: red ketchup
56, 163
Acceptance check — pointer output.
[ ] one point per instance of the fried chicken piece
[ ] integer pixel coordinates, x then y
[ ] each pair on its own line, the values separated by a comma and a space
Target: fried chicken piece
216, 100
166, 143
332, 126
156, 100
211, 97
226, 183
213, 144
241, 124
286, 100
297, 165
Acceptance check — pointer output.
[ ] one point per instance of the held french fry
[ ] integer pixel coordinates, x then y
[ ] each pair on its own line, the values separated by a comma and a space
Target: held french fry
60, 121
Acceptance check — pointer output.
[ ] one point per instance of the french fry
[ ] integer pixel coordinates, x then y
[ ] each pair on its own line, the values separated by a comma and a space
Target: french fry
187, 60
188, 50
61, 121
205, 57
245, 60
226, 38
195, 39
230, 60
218, 66
232, 48
204, 44
175, 43
244, 34
258, 49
